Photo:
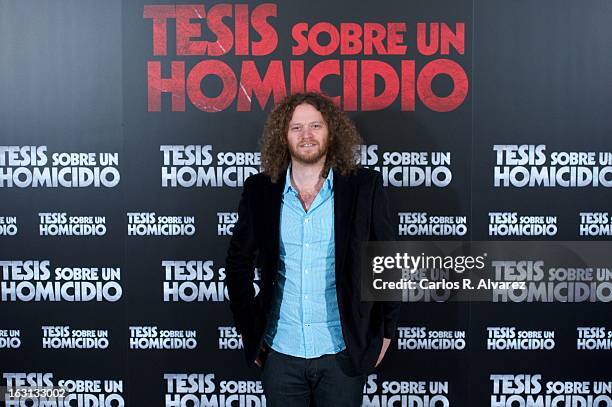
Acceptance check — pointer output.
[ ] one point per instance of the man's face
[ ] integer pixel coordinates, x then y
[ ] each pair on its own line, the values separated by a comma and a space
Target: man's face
307, 136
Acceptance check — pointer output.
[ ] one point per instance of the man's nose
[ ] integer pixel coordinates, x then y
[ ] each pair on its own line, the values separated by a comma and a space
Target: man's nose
308, 131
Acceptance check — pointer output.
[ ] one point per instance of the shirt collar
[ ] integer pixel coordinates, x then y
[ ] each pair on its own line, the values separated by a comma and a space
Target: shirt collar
327, 185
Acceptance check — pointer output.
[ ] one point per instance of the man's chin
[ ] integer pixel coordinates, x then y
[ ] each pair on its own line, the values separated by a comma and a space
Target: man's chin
312, 158
309, 159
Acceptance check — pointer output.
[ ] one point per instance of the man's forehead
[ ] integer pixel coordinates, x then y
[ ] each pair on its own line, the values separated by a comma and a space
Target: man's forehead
306, 113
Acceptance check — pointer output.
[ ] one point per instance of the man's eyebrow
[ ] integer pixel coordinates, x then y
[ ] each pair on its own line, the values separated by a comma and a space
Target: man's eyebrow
314, 121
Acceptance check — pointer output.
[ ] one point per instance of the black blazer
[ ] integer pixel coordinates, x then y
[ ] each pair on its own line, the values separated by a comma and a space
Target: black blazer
360, 214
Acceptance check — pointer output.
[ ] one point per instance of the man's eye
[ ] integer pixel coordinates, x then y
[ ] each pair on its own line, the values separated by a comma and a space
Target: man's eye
295, 128
316, 126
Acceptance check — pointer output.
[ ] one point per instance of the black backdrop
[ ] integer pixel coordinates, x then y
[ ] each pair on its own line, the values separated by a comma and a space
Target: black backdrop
74, 79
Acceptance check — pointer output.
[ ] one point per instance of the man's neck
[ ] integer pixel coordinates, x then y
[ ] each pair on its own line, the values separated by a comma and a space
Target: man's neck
306, 176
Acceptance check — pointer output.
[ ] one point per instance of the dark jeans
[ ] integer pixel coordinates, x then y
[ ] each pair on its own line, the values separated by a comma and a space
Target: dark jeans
329, 380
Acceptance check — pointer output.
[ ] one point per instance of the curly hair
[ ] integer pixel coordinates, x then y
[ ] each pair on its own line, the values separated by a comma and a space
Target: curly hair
343, 136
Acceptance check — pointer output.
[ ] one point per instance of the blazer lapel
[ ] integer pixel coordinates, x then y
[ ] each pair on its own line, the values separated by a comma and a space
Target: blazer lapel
273, 212
344, 198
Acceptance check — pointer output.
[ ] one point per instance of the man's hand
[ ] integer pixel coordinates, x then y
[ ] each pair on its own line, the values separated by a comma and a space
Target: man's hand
262, 349
258, 360
385, 346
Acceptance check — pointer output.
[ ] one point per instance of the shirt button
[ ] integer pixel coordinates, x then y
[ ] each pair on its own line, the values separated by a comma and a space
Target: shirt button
306, 297
306, 245
306, 220
306, 271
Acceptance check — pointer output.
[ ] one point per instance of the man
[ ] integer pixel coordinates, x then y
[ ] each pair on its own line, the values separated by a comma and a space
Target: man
304, 217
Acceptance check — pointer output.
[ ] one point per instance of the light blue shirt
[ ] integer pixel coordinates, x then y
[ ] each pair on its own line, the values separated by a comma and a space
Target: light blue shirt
304, 320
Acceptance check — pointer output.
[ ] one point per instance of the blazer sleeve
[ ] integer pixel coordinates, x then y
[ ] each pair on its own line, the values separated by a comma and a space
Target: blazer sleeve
382, 230
239, 263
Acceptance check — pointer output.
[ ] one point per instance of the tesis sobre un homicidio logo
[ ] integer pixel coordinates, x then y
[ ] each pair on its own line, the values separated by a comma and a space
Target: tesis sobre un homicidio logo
530, 165
8, 226
63, 224
153, 337
10, 338
196, 281
39, 281
66, 337
36, 167
530, 389
68, 391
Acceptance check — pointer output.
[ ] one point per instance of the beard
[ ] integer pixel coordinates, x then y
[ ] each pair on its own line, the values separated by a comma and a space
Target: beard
310, 155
